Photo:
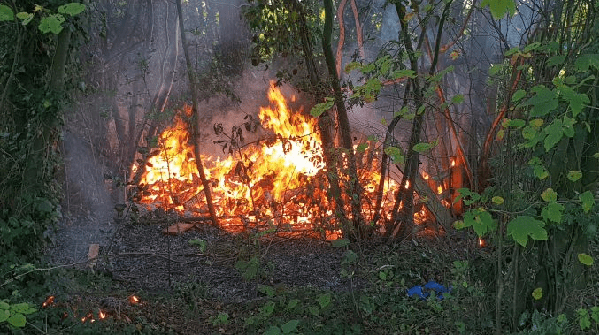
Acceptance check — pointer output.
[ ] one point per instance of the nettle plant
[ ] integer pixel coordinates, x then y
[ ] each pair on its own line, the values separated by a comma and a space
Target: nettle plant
50, 22
546, 179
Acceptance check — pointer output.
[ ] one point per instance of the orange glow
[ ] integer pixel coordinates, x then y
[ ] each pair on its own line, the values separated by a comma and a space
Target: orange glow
482, 243
407, 184
133, 300
425, 175
101, 315
452, 162
439, 189
48, 302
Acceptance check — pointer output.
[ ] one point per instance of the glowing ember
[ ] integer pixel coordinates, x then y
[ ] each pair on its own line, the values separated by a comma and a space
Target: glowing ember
133, 300
101, 315
48, 302
439, 189
482, 243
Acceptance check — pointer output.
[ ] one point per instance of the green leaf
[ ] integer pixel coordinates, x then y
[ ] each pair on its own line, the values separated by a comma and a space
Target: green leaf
556, 60
268, 290
537, 294
499, 8
51, 24
459, 225
362, 147
576, 100
4, 315
395, 154
273, 330
515, 123
549, 195
340, 243
585, 259
532, 46
553, 212
421, 147
6, 13
519, 94
324, 300
23, 308
403, 74
529, 132
583, 62
540, 172
322, 107
292, 303
349, 257
494, 69
595, 313
71, 8
543, 102
568, 126
480, 220
457, 99
352, 66
290, 326
17, 320
522, 227
498, 200
574, 175
25, 17
555, 132
588, 201
583, 318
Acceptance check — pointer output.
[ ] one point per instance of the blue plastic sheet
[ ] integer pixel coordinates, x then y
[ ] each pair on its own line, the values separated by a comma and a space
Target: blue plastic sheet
424, 292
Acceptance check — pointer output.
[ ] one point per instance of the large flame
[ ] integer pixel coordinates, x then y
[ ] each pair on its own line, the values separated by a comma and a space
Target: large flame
282, 178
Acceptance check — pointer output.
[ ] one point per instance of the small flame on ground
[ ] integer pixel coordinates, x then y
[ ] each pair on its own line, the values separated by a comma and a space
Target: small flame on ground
407, 184
439, 189
482, 243
452, 162
133, 300
101, 314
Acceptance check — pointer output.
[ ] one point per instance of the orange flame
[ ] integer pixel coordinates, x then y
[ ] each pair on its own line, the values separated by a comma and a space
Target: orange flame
133, 300
258, 180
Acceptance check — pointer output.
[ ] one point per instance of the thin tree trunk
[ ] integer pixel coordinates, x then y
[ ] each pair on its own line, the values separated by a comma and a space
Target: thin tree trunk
195, 126
355, 192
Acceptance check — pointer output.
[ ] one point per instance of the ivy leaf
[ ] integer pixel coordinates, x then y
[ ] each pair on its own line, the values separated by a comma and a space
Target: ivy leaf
71, 8
549, 195
553, 212
499, 8
522, 227
6, 13
543, 102
51, 24
555, 132
574, 175
588, 201
576, 100
586, 259
537, 294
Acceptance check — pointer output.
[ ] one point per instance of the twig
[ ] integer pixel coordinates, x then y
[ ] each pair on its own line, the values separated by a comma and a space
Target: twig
10, 280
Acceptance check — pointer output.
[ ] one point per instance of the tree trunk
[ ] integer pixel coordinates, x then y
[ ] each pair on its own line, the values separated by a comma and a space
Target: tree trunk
195, 126
354, 187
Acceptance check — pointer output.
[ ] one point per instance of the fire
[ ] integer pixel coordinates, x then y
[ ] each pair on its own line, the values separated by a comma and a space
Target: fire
48, 302
439, 189
133, 300
281, 180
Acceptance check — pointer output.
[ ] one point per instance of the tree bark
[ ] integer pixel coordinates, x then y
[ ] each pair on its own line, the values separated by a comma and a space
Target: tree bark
195, 126
354, 188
